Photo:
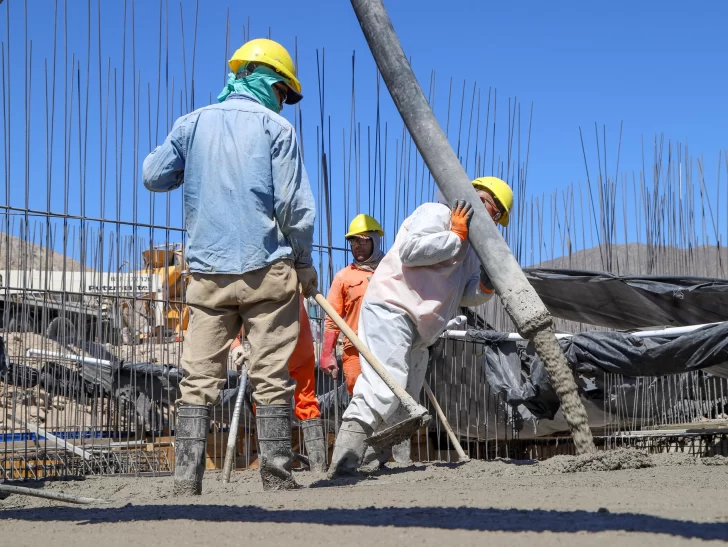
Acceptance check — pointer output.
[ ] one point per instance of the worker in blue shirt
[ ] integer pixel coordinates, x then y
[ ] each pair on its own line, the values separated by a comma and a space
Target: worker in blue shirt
249, 212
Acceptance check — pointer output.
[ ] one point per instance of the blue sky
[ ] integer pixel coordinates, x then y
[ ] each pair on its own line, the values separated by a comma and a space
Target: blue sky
656, 67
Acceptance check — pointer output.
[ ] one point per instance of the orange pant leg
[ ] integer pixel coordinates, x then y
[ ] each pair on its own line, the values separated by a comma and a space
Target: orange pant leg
302, 367
352, 367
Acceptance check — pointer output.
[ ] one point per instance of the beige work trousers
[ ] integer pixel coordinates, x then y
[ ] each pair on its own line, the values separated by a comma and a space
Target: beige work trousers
265, 302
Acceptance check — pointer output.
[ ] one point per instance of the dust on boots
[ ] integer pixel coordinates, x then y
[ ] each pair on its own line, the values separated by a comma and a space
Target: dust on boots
273, 425
193, 424
349, 448
313, 437
402, 452
374, 459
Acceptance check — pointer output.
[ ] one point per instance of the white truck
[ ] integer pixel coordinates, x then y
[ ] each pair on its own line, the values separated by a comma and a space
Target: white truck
90, 305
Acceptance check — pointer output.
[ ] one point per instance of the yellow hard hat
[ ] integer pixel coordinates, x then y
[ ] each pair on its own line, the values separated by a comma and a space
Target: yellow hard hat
363, 223
272, 54
500, 191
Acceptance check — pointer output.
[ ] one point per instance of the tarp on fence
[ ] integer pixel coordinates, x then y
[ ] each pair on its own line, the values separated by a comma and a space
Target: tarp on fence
630, 302
513, 370
487, 385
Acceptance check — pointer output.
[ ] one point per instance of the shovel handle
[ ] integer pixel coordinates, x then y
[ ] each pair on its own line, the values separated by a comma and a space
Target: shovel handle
462, 456
405, 398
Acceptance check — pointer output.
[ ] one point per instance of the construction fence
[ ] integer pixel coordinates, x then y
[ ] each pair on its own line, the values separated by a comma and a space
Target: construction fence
90, 370
92, 270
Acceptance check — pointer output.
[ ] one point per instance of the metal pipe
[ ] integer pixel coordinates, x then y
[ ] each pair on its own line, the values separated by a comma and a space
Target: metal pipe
60, 443
520, 300
658, 333
67, 356
234, 424
57, 496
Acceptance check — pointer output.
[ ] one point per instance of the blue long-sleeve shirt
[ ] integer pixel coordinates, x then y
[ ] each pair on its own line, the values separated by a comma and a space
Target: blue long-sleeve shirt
247, 198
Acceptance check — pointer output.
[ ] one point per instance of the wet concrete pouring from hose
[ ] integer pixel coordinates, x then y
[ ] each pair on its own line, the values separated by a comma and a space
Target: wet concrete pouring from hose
563, 381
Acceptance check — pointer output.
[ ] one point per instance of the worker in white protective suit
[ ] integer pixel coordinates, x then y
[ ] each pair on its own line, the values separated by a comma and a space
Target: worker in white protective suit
430, 272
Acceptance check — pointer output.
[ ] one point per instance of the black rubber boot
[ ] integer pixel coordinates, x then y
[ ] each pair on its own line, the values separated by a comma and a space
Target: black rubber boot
273, 424
193, 424
349, 448
313, 436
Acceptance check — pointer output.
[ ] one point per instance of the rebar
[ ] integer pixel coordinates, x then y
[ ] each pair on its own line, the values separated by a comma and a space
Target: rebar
75, 236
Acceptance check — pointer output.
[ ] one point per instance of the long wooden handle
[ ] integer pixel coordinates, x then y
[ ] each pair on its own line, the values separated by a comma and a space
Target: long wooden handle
405, 398
450, 433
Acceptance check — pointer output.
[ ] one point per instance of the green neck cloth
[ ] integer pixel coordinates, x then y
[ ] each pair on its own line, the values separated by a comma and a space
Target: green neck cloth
259, 84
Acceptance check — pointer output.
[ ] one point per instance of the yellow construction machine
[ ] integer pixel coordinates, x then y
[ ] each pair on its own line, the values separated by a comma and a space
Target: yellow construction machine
165, 306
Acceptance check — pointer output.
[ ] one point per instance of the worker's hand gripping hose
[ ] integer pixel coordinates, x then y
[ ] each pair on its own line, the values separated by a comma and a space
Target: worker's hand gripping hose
462, 214
486, 285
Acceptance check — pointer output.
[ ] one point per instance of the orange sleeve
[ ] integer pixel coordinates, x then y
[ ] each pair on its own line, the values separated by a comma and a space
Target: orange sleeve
358, 284
336, 299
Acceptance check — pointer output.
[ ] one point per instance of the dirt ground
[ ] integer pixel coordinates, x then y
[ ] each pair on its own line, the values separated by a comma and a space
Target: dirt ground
675, 500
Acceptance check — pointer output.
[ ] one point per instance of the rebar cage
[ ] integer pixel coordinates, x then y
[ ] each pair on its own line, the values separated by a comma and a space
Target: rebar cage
92, 265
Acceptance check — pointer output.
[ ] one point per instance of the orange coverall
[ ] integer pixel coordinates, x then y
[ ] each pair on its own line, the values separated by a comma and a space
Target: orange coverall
345, 296
301, 367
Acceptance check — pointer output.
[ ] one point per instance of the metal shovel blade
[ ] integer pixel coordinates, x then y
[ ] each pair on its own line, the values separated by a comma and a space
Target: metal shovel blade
399, 432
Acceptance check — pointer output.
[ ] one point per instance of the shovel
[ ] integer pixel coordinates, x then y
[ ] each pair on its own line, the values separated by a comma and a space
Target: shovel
418, 416
462, 456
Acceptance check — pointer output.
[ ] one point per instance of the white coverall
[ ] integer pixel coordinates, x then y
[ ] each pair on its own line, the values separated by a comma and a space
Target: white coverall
417, 288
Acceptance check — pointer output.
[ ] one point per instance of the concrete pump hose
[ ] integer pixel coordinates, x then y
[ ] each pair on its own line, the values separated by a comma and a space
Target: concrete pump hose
520, 300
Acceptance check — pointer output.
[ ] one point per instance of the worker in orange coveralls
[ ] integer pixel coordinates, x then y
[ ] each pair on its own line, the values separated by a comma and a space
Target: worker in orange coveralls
346, 294
301, 368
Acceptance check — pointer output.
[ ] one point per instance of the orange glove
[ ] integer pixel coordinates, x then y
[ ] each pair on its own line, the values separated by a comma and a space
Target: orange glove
462, 213
485, 283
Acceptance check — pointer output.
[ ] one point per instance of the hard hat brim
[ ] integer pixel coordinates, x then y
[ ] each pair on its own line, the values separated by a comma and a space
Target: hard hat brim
361, 234
503, 221
293, 96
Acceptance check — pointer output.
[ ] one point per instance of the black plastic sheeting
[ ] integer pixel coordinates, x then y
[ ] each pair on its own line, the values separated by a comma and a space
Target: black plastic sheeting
513, 368
327, 400
630, 302
145, 386
507, 368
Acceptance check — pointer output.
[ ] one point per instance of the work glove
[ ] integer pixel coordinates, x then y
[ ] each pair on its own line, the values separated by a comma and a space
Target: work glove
462, 213
328, 364
308, 278
486, 285
238, 355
